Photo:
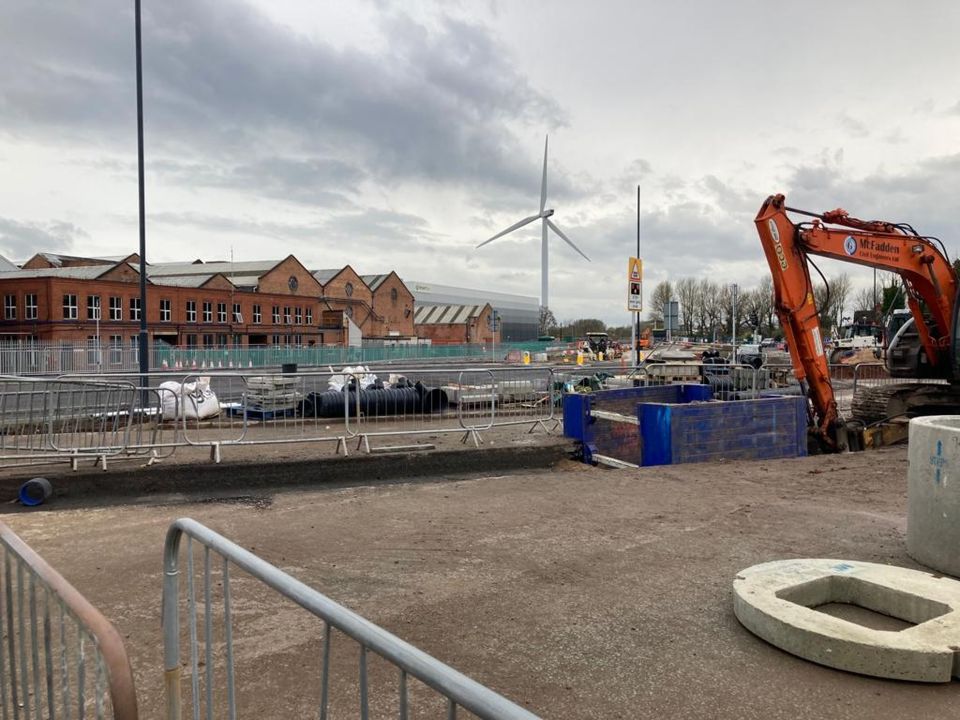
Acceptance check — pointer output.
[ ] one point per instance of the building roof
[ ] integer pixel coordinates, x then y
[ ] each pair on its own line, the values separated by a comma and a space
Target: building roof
6, 265
80, 272
245, 267
445, 314
374, 281
57, 259
325, 276
430, 293
190, 281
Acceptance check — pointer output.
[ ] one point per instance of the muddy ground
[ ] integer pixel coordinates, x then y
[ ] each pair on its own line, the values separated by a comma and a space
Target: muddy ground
577, 592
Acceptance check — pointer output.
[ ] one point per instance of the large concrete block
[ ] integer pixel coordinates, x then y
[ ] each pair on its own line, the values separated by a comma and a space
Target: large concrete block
933, 492
778, 601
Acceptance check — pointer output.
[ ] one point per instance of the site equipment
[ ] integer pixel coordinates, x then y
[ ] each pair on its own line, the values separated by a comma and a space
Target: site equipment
864, 333
931, 284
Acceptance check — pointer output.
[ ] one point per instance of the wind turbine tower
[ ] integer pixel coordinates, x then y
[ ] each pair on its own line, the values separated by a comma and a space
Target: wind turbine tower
544, 216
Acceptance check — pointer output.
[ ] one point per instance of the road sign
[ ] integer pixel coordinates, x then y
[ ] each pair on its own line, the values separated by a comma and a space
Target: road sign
635, 285
635, 297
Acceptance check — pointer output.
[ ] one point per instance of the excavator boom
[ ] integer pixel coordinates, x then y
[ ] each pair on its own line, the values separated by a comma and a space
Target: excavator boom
927, 274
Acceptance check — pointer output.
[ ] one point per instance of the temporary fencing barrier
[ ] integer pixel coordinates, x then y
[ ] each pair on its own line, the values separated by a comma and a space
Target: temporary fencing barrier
211, 665
60, 657
130, 415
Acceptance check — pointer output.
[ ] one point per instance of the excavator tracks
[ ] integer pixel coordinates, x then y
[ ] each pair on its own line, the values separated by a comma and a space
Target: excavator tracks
872, 404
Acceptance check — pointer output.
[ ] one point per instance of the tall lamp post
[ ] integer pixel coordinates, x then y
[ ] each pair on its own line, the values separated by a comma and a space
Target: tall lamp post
142, 349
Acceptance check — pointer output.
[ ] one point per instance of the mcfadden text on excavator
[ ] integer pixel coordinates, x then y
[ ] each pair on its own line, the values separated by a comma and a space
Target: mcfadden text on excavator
923, 347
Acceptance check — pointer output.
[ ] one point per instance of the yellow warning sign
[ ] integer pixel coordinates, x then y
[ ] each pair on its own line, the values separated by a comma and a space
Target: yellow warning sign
635, 269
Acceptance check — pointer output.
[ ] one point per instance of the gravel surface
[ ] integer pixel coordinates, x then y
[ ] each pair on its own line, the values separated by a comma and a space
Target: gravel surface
578, 592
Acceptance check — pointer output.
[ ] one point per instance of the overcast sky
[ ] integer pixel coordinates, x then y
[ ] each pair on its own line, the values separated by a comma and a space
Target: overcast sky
400, 135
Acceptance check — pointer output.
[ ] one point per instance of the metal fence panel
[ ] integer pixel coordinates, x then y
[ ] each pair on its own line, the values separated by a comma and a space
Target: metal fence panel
60, 657
210, 626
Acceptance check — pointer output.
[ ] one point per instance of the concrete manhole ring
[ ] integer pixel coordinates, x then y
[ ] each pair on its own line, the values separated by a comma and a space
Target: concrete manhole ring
778, 601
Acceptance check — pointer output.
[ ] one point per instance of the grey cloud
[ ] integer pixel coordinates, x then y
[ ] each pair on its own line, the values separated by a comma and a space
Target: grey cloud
434, 107
853, 126
20, 240
316, 182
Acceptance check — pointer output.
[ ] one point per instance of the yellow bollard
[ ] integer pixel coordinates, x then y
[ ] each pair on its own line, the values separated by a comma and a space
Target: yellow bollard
526, 357
579, 357
599, 357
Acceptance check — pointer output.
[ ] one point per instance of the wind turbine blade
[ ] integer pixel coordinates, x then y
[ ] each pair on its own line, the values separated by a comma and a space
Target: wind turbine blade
515, 226
563, 237
543, 185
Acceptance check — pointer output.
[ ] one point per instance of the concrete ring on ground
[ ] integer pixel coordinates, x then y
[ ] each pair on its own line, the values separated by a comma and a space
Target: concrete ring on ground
933, 493
778, 601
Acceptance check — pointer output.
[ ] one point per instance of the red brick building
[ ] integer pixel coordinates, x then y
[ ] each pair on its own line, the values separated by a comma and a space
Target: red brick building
455, 324
392, 305
59, 298
64, 305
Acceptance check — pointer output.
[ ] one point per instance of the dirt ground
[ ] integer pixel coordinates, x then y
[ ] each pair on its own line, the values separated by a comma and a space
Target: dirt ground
579, 592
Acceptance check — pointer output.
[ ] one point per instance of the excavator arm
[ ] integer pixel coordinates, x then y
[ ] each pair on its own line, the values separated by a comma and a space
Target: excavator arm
926, 272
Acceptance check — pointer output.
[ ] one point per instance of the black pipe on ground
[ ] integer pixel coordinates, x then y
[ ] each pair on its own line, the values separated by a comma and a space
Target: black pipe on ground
374, 401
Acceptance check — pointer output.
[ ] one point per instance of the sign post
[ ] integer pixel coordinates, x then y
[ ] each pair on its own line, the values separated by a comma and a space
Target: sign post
635, 300
493, 323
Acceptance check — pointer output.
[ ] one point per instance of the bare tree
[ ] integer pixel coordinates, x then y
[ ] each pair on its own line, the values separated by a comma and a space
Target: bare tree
764, 302
839, 294
662, 293
686, 294
863, 299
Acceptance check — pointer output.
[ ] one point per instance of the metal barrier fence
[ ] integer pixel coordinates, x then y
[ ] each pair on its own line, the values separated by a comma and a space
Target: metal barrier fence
211, 665
71, 417
60, 657
63, 420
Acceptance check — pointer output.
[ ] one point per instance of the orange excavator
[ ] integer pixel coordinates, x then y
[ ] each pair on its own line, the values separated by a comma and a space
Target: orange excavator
931, 285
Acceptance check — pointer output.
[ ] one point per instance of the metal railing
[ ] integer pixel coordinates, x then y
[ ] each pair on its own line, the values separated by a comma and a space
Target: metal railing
212, 660
60, 657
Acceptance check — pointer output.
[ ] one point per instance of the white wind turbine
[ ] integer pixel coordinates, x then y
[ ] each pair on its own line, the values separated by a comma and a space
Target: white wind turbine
543, 215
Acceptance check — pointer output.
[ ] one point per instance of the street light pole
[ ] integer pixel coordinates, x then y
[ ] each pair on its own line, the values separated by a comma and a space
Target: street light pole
142, 349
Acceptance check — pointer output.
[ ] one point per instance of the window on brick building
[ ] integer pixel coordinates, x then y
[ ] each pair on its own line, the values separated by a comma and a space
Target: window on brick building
309, 316
275, 339
208, 340
135, 308
191, 311
116, 349
349, 311
116, 308
30, 306
164, 311
298, 315
286, 314
69, 307
276, 314
237, 340
9, 307
221, 340
348, 289
257, 315
237, 313
393, 296
221, 312
191, 340
93, 307
298, 339
207, 311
